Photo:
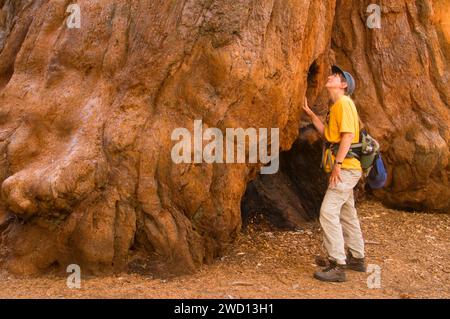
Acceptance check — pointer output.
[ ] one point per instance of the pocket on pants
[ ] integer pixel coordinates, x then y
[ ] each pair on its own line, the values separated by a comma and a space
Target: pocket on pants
349, 180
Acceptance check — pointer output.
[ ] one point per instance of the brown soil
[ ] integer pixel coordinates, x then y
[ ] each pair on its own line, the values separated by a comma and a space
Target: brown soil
411, 248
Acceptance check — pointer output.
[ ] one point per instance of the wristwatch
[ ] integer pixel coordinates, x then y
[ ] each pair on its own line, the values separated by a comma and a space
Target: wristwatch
339, 163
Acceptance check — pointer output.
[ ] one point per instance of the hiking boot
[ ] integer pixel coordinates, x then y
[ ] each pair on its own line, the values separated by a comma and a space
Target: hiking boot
333, 273
355, 264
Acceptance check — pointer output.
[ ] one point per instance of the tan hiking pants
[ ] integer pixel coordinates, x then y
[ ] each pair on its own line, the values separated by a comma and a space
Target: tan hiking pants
339, 219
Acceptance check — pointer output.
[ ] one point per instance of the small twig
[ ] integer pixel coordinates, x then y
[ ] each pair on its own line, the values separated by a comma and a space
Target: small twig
241, 283
281, 280
369, 242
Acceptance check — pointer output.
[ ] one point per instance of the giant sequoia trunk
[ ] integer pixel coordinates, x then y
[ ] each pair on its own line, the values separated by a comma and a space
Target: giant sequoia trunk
87, 114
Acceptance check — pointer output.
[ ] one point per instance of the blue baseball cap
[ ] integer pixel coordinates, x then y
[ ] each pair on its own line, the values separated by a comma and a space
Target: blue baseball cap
348, 78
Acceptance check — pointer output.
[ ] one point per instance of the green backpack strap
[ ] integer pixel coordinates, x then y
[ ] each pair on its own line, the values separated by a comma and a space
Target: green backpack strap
353, 152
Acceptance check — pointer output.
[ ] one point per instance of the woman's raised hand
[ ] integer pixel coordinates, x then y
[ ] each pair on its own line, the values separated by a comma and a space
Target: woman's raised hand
306, 108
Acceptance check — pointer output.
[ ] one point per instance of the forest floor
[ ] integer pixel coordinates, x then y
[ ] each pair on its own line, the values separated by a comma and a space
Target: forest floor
410, 250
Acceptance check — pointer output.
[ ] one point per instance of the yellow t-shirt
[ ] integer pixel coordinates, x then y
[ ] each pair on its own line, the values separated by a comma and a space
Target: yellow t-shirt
343, 118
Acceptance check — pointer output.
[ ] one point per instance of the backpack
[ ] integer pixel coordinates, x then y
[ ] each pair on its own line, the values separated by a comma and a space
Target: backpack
377, 175
365, 151
368, 153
